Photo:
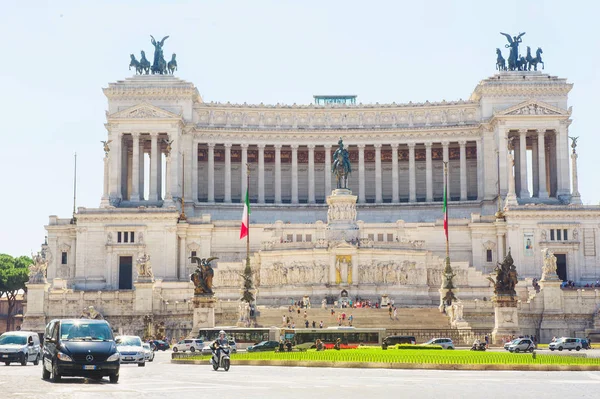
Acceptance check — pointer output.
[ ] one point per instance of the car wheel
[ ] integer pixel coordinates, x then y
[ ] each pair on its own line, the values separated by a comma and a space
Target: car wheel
192, 349
552, 349
45, 373
114, 378
517, 350
55, 375
560, 348
531, 350
226, 364
7, 363
23, 359
143, 364
175, 349
577, 349
37, 360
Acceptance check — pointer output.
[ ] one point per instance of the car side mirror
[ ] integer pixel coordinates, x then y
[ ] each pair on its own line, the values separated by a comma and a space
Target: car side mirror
50, 340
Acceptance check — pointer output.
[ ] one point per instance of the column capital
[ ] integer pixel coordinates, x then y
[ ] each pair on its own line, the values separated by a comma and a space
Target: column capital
135, 135
311, 146
428, 144
541, 132
445, 143
210, 145
294, 146
244, 146
395, 146
327, 146
411, 145
361, 146
154, 135
462, 143
278, 146
523, 131
227, 145
261, 146
377, 146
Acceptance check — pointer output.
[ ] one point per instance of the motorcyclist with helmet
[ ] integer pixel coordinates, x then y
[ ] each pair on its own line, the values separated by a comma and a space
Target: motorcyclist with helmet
219, 343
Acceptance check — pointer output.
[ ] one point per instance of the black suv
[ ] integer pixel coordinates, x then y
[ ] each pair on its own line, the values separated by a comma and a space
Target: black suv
392, 340
80, 348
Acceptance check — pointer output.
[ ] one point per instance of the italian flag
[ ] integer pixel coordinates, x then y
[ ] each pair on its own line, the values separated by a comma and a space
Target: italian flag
245, 217
446, 209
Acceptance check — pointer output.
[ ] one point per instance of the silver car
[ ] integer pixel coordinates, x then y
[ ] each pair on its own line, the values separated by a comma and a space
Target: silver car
131, 350
521, 345
148, 352
566, 343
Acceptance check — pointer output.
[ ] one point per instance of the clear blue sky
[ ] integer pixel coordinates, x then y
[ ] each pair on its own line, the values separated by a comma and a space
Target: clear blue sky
57, 55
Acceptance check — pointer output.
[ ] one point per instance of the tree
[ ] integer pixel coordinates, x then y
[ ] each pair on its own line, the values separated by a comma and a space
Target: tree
14, 273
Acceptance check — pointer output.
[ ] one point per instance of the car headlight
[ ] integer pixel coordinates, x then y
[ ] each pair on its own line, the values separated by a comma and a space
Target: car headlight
140, 353
64, 357
114, 357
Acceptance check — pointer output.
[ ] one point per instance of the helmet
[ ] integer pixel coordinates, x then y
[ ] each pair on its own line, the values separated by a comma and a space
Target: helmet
222, 334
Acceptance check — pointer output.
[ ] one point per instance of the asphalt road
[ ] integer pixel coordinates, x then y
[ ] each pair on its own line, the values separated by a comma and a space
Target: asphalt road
161, 379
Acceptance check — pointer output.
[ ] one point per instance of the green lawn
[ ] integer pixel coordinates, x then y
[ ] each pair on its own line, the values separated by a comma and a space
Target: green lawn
377, 355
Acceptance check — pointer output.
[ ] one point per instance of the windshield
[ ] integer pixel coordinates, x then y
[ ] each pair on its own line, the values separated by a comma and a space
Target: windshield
85, 331
13, 340
429, 342
128, 341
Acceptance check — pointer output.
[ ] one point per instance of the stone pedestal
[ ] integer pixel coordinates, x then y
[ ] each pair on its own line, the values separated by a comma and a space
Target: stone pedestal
204, 313
35, 316
506, 320
341, 216
143, 296
553, 318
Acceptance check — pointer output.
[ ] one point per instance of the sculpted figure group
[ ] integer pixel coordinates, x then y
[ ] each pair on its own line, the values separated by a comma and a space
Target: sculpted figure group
159, 66
516, 62
203, 276
506, 277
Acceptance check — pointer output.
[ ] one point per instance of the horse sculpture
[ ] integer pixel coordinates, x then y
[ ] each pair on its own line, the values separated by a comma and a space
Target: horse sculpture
500, 61
341, 166
172, 65
536, 60
136, 64
144, 63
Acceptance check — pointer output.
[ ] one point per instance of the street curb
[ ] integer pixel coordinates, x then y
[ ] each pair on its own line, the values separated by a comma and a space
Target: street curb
408, 366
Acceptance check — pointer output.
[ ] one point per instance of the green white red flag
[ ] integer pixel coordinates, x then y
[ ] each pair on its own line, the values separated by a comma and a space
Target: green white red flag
245, 217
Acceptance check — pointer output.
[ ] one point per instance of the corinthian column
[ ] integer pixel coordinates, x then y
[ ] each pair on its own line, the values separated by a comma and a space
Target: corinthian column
261, 173
524, 193
575, 197
244, 167
211, 172
294, 173
227, 173
446, 158
154, 161
428, 173
395, 190
463, 170
542, 160
311, 173
378, 188
412, 177
194, 171
135, 168
361, 174
278, 173
327, 170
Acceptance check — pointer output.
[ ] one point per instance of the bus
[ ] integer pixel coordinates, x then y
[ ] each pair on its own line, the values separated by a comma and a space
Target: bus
349, 336
244, 337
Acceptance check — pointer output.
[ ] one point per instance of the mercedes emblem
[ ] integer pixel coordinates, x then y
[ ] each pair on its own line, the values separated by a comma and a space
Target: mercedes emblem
89, 358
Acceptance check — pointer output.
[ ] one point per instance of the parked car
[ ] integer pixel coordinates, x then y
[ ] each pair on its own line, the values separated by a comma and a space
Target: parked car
445, 343
191, 345
392, 340
131, 350
521, 345
148, 352
20, 347
263, 346
159, 345
80, 348
206, 349
566, 343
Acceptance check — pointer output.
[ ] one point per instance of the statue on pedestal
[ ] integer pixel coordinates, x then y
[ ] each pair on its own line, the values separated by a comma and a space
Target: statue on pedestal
144, 268
506, 277
37, 270
549, 267
91, 313
160, 65
341, 167
202, 277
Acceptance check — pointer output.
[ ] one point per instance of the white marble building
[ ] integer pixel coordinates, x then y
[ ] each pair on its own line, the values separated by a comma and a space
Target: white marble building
168, 144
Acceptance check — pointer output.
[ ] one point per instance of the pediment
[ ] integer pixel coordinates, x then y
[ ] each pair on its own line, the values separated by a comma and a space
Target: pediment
534, 108
144, 111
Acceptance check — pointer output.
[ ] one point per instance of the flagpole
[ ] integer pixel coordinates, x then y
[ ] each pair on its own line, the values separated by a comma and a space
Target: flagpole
73, 218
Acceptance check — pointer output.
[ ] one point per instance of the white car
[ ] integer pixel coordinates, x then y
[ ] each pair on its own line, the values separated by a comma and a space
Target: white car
521, 345
206, 350
191, 345
566, 343
445, 343
148, 352
20, 347
131, 350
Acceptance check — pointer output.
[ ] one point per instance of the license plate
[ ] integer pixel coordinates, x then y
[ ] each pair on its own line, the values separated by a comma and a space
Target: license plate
89, 367
128, 359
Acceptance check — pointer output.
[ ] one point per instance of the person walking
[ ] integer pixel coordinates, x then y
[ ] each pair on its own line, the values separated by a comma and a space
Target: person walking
350, 319
390, 311
487, 341
395, 313
321, 324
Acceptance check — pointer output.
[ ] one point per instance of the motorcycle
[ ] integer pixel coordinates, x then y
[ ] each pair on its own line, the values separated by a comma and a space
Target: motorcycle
478, 346
223, 358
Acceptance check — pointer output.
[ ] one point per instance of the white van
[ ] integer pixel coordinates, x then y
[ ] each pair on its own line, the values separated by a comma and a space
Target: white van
566, 343
20, 347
